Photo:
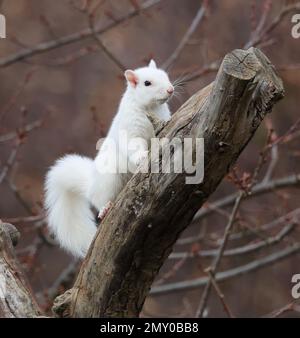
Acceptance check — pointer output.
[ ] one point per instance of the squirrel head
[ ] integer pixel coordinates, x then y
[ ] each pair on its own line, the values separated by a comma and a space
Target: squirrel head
150, 86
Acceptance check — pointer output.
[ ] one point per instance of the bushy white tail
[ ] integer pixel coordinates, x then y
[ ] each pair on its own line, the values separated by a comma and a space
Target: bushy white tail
69, 215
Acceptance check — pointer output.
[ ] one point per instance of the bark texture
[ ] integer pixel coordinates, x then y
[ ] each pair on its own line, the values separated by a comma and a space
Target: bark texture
16, 300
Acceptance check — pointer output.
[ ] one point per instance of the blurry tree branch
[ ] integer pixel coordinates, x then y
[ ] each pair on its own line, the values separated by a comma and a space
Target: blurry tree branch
215, 265
227, 274
293, 306
10, 161
107, 52
265, 29
245, 189
249, 248
72, 38
197, 19
259, 37
258, 189
21, 130
220, 295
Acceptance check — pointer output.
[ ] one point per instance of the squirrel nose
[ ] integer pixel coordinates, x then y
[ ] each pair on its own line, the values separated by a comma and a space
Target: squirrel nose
170, 90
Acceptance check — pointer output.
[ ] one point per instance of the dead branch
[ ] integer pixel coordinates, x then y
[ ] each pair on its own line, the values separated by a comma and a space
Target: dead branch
15, 297
138, 233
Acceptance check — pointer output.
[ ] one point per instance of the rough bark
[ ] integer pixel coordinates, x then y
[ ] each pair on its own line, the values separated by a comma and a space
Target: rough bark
16, 300
138, 233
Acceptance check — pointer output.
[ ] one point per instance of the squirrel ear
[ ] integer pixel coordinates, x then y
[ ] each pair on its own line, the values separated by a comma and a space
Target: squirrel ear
152, 64
131, 77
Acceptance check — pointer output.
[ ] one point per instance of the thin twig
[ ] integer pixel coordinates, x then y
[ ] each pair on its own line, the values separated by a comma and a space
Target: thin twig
272, 165
242, 250
25, 219
11, 159
214, 65
174, 56
19, 196
231, 273
220, 295
258, 189
257, 34
216, 263
63, 278
13, 99
26, 129
106, 51
72, 38
287, 308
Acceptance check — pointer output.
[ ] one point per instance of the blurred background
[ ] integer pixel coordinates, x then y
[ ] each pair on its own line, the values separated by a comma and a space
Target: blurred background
61, 69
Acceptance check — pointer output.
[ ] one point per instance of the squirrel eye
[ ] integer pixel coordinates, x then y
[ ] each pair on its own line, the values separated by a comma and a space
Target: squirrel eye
147, 83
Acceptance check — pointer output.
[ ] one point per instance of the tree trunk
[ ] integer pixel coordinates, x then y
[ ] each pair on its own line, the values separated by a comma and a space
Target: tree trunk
153, 209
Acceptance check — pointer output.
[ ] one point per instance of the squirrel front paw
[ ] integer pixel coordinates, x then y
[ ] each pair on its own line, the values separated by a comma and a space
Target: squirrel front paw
104, 210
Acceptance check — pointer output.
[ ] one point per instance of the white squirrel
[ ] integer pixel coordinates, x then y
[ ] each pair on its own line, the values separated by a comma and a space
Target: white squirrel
76, 183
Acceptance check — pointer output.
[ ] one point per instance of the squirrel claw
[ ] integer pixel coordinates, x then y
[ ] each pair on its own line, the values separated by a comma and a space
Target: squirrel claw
103, 211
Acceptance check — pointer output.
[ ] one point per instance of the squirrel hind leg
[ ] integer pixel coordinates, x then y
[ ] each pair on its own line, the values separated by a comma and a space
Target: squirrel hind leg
104, 210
